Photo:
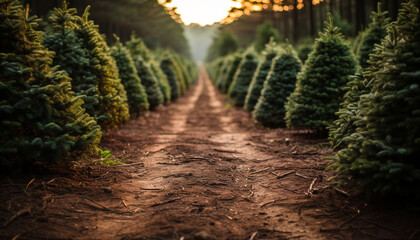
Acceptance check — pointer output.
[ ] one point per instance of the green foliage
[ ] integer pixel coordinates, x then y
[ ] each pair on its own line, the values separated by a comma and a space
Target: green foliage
320, 86
136, 93
233, 66
343, 24
41, 118
382, 155
73, 58
183, 74
169, 69
113, 99
141, 55
105, 154
304, 47
265, 32
279, 84
164, 85
373, 35
224, 44
243, 77
154, 94
257, 83
223, 72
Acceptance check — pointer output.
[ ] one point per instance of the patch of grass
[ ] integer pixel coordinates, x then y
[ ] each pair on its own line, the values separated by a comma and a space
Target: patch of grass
227, 106
107, 159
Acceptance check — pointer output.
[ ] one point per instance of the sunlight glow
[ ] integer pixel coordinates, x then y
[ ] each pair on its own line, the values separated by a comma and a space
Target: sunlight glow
203, 12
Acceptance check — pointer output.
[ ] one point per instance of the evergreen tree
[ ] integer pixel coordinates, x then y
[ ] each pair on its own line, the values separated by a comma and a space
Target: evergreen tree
254, 91
382, 155
265, 32
41, 118
164, 86
373, 35
136, 94
168, 67
113, 101
154, 94
141, 56
320, 86
73, 58
243, 77
223, 72
345, 124
279, 84
233, 66
183, 76
226, 44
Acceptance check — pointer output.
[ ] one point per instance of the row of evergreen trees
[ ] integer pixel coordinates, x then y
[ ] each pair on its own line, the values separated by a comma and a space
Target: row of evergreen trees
60, 87
368, 99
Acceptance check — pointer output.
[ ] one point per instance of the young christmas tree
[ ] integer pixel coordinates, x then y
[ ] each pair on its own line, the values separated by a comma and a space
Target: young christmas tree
233, 66
164, 86
136, 94
320, 86
181, 65
141, 56
382, 155
154, 95
223, 72
243, 77
373, 35
280, 83
72, 57
113, 101
345, 124
169, 68
265, 33
41, 118
254, 91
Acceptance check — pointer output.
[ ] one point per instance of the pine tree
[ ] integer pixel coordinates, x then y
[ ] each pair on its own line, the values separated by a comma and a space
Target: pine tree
136, 93
254, 91
113, 101
243, 77
41, 118
382, 155
373, 35
164, 86
279, 84
320, 86
141, 56
223, 72
72, 57
233, 66
154, 94
168, 67
265, 32
345, 125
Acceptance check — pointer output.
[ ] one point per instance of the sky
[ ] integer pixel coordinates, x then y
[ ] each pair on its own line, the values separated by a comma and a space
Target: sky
202, 12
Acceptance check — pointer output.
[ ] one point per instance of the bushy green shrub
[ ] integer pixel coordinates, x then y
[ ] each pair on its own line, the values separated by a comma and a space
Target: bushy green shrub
257, 83
279, 84
148, 79
243, 77
113, 101
136, 93
223, 72
382, 155
320, 86
41, 118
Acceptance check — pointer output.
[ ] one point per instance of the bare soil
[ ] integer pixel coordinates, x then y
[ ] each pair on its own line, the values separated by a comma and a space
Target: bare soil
199, 169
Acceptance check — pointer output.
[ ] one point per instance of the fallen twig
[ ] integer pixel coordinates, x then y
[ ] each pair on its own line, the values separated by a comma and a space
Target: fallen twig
253, 236
302, 176
342, 192
269, 202
309, 193
18, 214
129, 165
165, 202
151, 189
224, 151
285, 174
262, 170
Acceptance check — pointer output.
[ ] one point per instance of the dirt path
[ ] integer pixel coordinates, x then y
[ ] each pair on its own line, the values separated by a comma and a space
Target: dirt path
197, 170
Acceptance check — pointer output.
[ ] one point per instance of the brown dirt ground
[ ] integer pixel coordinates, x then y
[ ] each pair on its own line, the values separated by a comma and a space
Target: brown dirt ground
198, 169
